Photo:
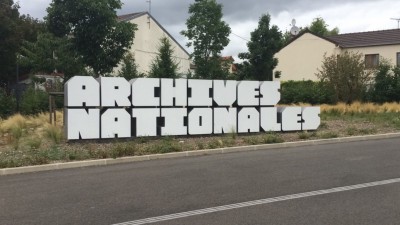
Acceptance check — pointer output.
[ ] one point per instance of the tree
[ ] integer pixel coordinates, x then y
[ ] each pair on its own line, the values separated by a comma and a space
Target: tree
14, 29
129, 67
9, 40
49, 53
164, 66
346, 74
386, 87
94, 30
264, 43
208, 35
320, 27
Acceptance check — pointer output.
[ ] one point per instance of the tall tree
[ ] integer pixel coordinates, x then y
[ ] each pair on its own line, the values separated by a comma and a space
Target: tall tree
208, 34
164, 65
9, 40
320, 27
49, 53
129, 67
265, 41
94, 29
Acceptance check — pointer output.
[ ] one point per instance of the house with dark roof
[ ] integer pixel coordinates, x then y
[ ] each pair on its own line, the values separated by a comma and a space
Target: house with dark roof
147, 41
302, 57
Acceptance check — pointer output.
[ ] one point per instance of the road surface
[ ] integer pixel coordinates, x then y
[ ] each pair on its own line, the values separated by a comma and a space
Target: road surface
347, 183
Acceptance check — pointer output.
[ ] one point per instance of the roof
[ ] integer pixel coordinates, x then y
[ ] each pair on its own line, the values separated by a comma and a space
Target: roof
131, 16
360, 39
365, 39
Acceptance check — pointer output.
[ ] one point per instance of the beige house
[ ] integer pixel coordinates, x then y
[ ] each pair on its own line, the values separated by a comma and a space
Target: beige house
147, 41
303, 56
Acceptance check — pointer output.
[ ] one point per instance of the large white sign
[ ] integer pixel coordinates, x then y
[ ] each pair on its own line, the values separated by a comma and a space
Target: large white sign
112, 107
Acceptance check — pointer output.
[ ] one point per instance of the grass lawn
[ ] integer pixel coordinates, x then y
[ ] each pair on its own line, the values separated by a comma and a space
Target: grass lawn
33, 141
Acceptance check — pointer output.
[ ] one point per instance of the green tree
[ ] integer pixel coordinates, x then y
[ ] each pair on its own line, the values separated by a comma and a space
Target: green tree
164, 66
346, 74
386, 87
208, 35
265, 41
320, 27
129, 67
94, 30
9, 40
49, 53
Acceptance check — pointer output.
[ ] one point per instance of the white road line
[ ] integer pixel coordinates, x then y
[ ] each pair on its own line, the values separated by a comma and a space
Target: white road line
258, 202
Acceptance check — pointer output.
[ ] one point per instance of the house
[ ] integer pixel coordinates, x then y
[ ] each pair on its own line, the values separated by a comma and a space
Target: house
147, 41
227, 62
46, 82
301, 58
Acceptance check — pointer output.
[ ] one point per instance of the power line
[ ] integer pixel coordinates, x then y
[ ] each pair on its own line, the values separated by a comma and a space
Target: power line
240, 37
398, 22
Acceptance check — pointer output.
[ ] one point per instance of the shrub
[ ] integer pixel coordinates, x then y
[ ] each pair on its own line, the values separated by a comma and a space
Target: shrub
271, 138
34, 101
386, 87
293, 92
54, 133
7, 103
346, 74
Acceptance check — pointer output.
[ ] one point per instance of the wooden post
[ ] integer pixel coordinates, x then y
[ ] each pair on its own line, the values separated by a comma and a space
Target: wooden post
50, 109
54, 110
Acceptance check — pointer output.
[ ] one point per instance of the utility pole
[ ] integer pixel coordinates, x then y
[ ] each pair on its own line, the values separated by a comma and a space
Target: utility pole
398, 22
149, 1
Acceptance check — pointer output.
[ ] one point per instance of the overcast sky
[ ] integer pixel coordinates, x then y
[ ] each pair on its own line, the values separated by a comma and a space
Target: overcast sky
242, 15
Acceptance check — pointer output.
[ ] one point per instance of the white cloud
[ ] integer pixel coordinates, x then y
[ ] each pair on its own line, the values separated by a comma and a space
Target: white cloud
348, 16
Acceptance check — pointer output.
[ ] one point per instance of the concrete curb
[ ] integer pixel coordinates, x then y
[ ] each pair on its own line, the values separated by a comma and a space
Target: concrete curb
103, 162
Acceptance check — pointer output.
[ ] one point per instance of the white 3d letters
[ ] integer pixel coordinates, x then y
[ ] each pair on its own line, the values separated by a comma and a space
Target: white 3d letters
111, 107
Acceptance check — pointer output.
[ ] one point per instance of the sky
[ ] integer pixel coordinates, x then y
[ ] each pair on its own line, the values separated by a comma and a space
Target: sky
243, 15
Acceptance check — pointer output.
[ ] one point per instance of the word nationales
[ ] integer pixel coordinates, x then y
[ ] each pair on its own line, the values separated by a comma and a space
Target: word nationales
112, 107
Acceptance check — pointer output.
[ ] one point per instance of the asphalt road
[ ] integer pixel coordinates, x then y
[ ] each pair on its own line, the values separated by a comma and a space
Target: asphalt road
135, 191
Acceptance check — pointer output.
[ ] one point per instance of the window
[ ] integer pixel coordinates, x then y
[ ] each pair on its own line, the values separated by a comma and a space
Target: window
398, 59
371, 61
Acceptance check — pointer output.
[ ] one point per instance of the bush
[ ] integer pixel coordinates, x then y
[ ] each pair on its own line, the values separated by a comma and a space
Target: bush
34, 101
346, 74
7, 103
386, 87
315, 93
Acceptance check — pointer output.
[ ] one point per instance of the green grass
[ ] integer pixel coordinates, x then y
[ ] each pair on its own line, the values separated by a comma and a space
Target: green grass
24, 147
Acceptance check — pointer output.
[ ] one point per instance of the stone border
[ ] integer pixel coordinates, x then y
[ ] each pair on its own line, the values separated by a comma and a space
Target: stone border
103, 162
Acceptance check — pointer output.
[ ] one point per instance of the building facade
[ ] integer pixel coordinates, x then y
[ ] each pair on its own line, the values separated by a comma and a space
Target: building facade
147, 42
302, 58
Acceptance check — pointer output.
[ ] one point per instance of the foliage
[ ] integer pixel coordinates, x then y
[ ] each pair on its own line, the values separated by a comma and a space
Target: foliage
320, 27
13, 30
54, 133
346, 74
265, 42
129, 69
208, 35
164, 66
293, 92
386, 87
93, 29
9, 39
49, 53
34, 101
7, 103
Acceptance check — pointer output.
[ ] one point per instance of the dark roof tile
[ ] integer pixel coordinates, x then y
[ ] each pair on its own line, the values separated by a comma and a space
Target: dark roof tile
365, 39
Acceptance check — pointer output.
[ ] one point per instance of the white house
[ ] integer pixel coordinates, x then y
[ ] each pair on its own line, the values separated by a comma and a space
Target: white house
147, 41
303, 56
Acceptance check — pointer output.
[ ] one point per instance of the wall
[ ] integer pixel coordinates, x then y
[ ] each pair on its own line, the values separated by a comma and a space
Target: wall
301, 59
388, 52
147, 42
